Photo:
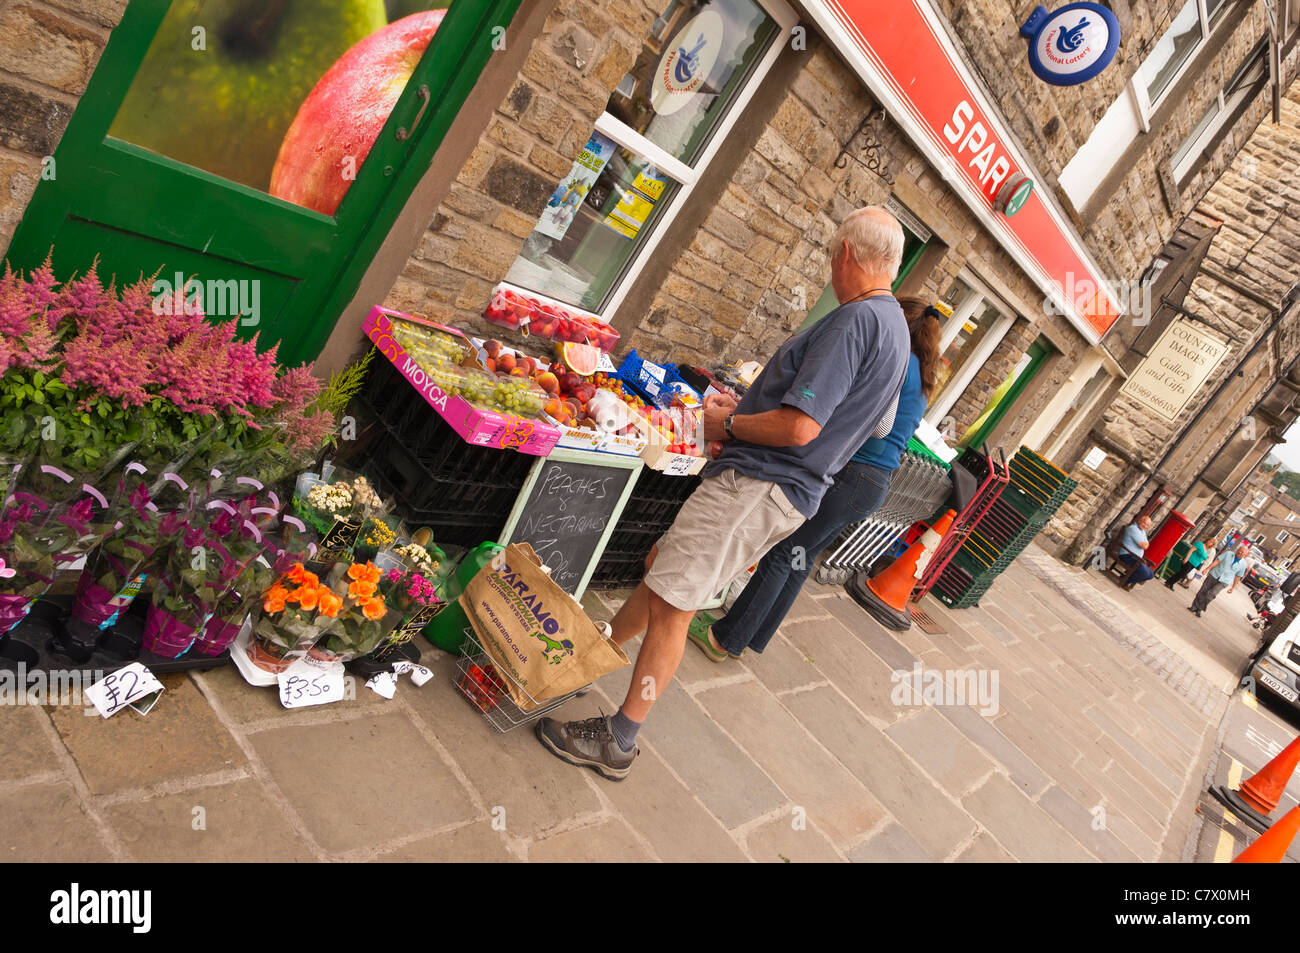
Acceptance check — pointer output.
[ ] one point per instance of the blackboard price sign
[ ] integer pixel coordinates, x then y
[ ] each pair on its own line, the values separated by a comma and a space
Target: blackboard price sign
567, 511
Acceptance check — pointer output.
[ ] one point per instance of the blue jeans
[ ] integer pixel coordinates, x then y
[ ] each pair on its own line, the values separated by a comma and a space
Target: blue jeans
1143, 572
858, 491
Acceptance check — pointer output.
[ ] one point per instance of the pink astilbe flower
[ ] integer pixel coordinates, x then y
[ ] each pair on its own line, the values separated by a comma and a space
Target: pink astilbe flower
307, 433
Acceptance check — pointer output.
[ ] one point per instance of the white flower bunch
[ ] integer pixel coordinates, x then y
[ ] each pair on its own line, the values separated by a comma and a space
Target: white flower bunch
330, 498
417, 556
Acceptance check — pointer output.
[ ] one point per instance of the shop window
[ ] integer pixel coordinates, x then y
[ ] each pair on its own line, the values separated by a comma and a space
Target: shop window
1131, 113
979, 322
697, 68
1206, 134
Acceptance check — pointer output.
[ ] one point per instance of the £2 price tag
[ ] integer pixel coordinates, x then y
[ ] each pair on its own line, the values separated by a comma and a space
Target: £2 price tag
119, 689
303, 685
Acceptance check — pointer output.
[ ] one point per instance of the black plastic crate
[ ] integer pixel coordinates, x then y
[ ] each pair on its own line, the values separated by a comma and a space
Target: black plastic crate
433, 477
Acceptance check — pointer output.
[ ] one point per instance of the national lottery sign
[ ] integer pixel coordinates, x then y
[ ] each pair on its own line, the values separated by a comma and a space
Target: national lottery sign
1071, 45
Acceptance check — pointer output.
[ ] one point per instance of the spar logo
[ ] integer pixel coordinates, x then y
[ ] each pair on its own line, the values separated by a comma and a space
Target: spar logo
687, 62
1073, 44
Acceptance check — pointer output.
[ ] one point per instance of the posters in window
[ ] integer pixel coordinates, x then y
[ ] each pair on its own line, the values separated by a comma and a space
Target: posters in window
573, 188
636, 204
686, 63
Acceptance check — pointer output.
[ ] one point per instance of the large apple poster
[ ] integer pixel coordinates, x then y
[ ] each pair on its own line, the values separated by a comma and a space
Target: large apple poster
285, 96
567, 198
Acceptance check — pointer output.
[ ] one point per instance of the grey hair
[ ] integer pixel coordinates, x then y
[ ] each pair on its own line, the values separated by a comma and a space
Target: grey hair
876, 239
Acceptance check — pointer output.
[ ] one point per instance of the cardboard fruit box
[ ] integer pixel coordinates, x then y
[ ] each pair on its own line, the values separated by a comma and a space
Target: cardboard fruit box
484, 428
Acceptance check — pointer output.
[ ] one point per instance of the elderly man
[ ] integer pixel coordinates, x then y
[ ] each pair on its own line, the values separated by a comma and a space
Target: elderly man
1225, 570
821, 395
1132, 547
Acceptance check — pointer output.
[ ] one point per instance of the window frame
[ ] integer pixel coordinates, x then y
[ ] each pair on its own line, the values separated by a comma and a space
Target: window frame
1191, 150
1130, 116
956, 386
686, 176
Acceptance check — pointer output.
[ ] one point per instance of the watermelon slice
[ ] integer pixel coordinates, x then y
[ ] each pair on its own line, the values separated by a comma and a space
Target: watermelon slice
580, 358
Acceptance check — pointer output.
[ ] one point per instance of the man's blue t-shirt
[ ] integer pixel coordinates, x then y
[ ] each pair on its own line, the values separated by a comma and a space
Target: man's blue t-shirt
844, 372
886, 453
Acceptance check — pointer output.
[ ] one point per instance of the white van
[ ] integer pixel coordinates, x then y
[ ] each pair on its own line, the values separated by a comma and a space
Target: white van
1276, 667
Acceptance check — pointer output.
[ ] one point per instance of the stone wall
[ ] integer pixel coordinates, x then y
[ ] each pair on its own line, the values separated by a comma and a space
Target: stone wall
1126, 230
48, 50
1257, 249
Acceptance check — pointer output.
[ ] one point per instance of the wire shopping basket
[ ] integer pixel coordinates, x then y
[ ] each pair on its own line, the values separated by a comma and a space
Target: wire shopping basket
485, 687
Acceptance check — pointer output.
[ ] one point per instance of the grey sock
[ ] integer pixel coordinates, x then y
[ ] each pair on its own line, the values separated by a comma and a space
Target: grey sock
624, 730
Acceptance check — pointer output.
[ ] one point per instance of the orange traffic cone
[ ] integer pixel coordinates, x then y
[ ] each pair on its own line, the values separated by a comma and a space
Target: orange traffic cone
1273, 845
886, 596
1259, 794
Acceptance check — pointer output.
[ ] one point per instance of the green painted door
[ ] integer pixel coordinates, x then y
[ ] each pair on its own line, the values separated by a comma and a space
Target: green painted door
258, 150
1007, 393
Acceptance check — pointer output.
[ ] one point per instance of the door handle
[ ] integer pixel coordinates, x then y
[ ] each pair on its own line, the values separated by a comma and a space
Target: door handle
423, 92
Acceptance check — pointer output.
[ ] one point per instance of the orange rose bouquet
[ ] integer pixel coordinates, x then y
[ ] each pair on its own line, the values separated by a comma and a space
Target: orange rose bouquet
363, 619
290, 619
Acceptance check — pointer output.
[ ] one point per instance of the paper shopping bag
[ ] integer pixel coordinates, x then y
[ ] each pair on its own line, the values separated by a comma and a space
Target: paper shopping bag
536, 634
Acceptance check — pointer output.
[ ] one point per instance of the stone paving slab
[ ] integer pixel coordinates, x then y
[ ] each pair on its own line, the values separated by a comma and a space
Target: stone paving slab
361, 782
179, 738
217, 824
47, 823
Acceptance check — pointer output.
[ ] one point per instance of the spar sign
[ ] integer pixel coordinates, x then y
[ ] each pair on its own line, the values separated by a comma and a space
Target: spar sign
905, 57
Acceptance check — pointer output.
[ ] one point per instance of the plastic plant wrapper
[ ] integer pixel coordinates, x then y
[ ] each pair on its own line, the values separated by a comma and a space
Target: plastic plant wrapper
415, 597
36, 539
365, 619
142, 535
293, 613
284, 541
199, 573
334, 497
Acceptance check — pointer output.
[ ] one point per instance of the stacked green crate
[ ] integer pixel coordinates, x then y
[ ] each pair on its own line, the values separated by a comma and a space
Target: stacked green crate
1036, 491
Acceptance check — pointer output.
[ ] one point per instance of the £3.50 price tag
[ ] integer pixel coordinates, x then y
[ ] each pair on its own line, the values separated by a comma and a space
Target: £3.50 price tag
119, 689
302, 685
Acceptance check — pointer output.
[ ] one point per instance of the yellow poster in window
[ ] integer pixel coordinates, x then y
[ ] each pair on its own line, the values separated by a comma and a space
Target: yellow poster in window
648, 183
630, 213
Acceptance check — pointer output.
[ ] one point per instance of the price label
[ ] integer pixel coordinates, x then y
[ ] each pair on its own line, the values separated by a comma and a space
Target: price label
339, 540
119, 689
385, 684
680, 465
419, 674
304, 684
604, 365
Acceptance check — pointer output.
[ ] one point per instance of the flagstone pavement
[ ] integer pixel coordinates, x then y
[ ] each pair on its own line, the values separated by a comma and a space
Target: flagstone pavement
1107, 708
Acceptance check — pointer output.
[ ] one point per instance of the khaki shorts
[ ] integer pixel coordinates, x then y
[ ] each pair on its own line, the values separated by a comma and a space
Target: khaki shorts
726, 526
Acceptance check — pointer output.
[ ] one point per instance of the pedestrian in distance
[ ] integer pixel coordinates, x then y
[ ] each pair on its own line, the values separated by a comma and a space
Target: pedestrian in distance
1198, 554
1223, 571
820, 396
859, 490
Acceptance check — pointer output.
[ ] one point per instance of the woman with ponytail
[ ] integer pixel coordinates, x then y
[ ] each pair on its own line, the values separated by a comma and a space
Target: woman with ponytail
859, 490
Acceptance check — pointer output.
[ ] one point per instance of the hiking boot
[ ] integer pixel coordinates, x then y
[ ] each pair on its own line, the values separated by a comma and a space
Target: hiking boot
589, 744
